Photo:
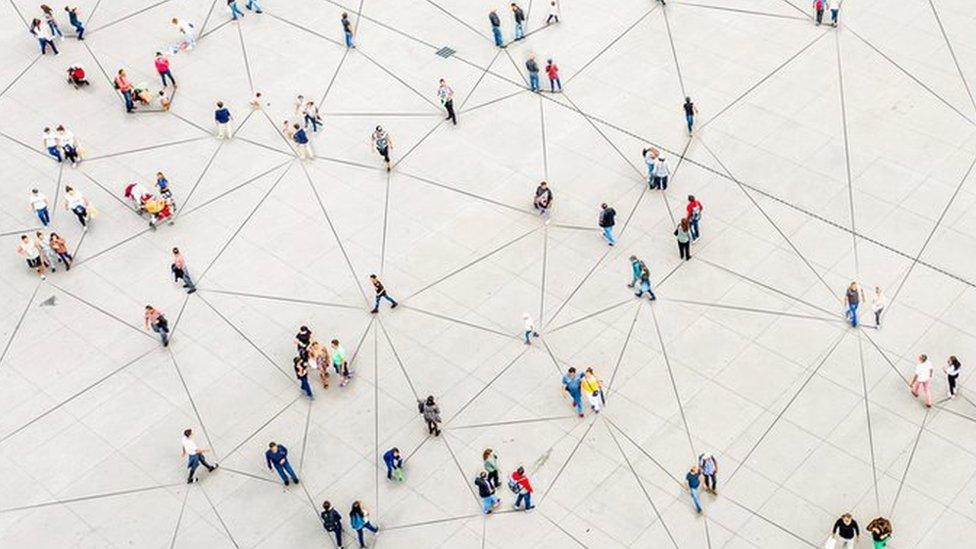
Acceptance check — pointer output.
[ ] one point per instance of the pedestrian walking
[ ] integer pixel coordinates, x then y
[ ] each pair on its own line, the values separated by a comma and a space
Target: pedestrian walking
332, 521
533, 69
302, 341
235, 10
662, 172
347, 30
156, 321
592, 387
48, 257
222, 117
880, 529
45, 37
486, 492
543, 198
75, 202
69, 145
394, 464
553, 13
180, 272
51, 144
693, 478
318, 360
162, 67
952, 369
277, 456
693, 212
312, 116
636, 267
846, 531
52, 24
75, 21
446, 95
852, 299
359, 520
519, 17
645, 283
188, 31
381, 294
39, 204
124, 87
529, 328
432, 415
690, 111
607, 221
383, 143
194, 455
338, 354
552, 71
818, 8
496, 29
60, 247
650, 155
491, 467
301, 373
572, 383
682, 233
252, 5
708, 466
302, 144
878, 305
519, 483
32, 254
834, 7
922, 380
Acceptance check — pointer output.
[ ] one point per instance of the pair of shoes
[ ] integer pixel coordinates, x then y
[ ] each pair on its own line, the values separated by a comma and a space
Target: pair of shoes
374, 311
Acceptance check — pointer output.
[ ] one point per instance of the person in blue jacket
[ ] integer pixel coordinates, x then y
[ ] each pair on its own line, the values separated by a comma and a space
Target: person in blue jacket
277, 457
393, 461
571, 381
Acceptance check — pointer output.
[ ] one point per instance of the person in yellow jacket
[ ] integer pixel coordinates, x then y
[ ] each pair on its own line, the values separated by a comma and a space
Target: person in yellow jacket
593, 388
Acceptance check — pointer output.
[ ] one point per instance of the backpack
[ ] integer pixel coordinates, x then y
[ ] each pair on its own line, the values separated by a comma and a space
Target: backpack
420, 406
329, 521
513, 486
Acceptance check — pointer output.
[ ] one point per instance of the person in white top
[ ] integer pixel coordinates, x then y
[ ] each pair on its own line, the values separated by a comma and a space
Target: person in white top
30, 252
188, 31
878, 305
922, 380
194, 455
78, 204
553, 12
529, 328
51, 144
66, 140
661, 172
39, 204
952, 368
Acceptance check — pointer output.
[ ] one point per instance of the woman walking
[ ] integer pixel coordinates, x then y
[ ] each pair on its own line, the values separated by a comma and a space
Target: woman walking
880, 529
491, 466
953, 366
60, 247
683, 234
878, 305
339, 362
853, 298
593, 388
432, 415
922, 380
359, 520
690, 111
301, 372
318, 357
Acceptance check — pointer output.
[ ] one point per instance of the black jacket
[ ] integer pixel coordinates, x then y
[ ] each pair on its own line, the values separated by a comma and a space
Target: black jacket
484, 489
607, 217
519, 15
495, 21
331, 520
532, 65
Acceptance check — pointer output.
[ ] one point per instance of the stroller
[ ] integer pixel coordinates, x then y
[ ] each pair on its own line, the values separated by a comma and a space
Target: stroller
137, 196
76, 76
159, 210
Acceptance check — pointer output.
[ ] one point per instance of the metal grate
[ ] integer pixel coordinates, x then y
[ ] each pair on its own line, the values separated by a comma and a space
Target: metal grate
446, 52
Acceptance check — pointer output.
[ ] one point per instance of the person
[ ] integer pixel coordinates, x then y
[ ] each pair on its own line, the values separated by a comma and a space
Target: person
256, 101
252, 5
952, 369
486, 492
32, 254
606, 222
48, 257
77, 204
543, 198
846, 530
381, 294
572, 381
446, 95
922, 380
222, 117
530, 330
690, 111
312, 116
693, 213
302, 341
359, 520
194, 455
553, 12
125, 88
51, 22
852, 298
533, 69
75, 22
650, 155
339, 362
432, 415
155, 320
592, 387
552, 71
162, 67
636, 267
693, 478
645, 283
496, 29
301, 373
519, 483
277, 456
383, 143
68, 144
332, 521
38, 203
347, 30
235, 10
834, 6
302, 143
60, 247
51, 144
683, 235
164, 102
709, 469
490, 460
818, 8
519, 16
44, 37
878, 305
162, 184
188, 31
77, 77
662, 171
394, 464
178, 267
318, 360
880, 529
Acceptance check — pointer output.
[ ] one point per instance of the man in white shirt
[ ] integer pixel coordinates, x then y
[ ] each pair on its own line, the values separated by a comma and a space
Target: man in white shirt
30, 252
922, 380
78, 204
51, 144
194, 455
661, 173
39, 204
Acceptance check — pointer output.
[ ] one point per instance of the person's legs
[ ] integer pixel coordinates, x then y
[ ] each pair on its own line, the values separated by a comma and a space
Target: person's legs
497, 32
281, 473
44, 216
608, 235
819, 16
171, 79
192, 464
519, 31
349, 43
55, 152
694, 228
305, 387
486, 505
559, 84
833, 16
127, 96
235, 11
577, 402
392, 301
528, 502
362, 541
952, 385
534, 81
690, 118
927, 388
80, 29
695, 499
82, 214
290, 471
519, 498
338, 536
852, 312
389, 470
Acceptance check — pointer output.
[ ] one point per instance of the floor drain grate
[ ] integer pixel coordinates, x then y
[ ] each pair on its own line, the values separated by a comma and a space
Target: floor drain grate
446, 52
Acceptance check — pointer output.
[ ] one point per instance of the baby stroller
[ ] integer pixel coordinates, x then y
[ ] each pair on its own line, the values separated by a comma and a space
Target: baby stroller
137, 196
76, 76
159, 210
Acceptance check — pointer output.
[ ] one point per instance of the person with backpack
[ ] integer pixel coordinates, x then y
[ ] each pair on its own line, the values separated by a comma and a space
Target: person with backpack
606, 222
520, 485
432, 415
487, 493
155, 320
693, 213
571, 383
332, 521
359, 520
394, 464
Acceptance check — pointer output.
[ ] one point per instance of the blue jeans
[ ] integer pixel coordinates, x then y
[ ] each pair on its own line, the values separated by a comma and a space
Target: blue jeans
577, 400
534, 81
650, 173
690, 118
55, 152
487, 503
305, 387
694, 228
833, 15
309, 119
127, 95
286, 468
695, 499
645, 287
608, 234
528, 500
386, 297
519, 31
253, 5
43, 215
55, 29
497, 33
163, 333
166, 74
349, 43
852, 313
80, 29
235, 11
359, 533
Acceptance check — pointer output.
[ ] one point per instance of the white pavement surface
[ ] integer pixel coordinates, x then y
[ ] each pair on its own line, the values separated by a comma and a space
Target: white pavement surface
824, 156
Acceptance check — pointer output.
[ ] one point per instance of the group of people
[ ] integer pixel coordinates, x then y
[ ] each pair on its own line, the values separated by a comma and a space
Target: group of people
319, 358
159, 208
577, 384
44, 253
519, 18
141, 94
552, 71
306, 114
48, 31
921, 382
487, 483
62, 145
848, 533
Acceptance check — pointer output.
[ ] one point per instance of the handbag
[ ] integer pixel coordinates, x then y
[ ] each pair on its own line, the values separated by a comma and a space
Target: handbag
831, 543
398, 474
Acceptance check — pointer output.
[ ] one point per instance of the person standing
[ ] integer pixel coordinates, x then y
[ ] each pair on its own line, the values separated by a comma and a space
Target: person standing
952, 369
486, 492
235, 10
543, 198
852, 298
834, 6
383, 143
878, 305
529, 330
552, 71
180, 272
302, 341
607, 221
194, 455
693, 213
60, 247
592, 387
222, 117
693, 478
338, 354
519, 483
880, 529
332, 521
39, 204
572, 381
645, 283
533, 69
359, 520
44, 37
682, 234
187, 30
51, 144
394, 464
690, 111
155, 321
48, 257
347, 30
162, 67
709, 469
52, 24
68, 144
553, 13
312, 116
818, 8
164, 191
496, 29
922, 380
301, 143
277, 456
301, 373
125, 88
636, 267
519, 16
75, 22
32, 254
432, 415
380, 294
846, 530
77, 204
650, 155
446, 95
491, 467
662, 171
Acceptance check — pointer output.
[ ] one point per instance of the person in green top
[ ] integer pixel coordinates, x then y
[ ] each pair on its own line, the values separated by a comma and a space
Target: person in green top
339, 362
491, 466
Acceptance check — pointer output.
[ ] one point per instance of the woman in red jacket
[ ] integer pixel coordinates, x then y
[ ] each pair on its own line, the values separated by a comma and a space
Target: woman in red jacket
519, 483
552, 70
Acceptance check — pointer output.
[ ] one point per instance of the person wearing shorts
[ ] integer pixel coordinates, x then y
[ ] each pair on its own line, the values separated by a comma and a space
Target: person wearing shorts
32, 254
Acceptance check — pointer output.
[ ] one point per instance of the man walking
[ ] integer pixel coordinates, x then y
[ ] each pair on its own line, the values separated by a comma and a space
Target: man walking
178, 267
519, 483
332, 521
690, 111
636, 266
222, 118
529, 328
571, 382
380, 294
446, 95
39, 204
496, 28
486, 492
125, 88
607, 217
155, 320
383, 143
277, 456
51, 144
162, 67
75, 21
519, 21
194, 455
533, 69
693, 213
694, 483
645, 283
347, 30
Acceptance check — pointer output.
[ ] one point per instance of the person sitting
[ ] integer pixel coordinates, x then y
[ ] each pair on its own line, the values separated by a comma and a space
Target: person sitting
140, 92
76, 76
159, 210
